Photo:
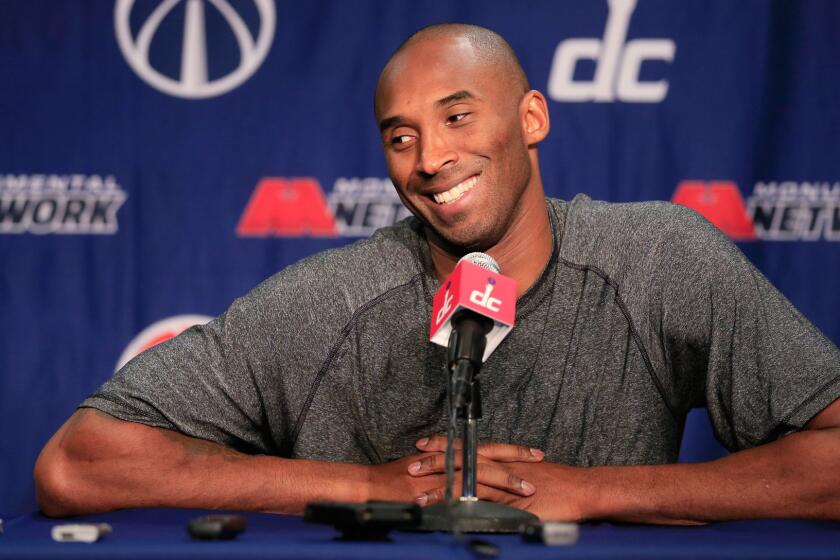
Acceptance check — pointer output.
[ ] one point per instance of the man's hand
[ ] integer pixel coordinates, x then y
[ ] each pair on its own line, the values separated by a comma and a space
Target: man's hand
393, 481
422, 477
510, 474
794, 476
507, 473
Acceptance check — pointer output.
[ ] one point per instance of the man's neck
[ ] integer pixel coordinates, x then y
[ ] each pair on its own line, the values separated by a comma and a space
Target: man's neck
522, 253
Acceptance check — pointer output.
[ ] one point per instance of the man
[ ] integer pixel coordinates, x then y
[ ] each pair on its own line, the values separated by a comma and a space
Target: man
321, 383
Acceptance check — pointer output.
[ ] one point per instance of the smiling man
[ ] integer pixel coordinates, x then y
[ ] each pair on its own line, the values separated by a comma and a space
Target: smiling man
628, 316
460, 129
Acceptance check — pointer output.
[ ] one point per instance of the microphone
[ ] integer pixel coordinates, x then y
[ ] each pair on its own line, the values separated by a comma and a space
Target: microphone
472, 313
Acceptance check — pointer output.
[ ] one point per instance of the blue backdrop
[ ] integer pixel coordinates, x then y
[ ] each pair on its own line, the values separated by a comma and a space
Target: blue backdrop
161, 157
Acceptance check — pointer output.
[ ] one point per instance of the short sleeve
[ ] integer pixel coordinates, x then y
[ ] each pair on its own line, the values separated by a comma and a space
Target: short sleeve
244, 378
200, 383
248, 378
762, 367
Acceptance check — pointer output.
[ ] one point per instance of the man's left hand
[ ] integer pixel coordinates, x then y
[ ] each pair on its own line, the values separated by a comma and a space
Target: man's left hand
508, 474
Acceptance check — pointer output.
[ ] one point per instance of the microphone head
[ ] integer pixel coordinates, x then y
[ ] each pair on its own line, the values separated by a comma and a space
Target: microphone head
483, 260
475, 285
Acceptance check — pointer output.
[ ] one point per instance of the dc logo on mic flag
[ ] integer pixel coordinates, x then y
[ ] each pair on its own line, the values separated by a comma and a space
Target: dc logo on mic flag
480, 290
485, 299
447, 304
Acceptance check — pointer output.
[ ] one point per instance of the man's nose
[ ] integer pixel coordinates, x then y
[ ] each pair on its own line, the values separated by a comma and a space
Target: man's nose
435, 154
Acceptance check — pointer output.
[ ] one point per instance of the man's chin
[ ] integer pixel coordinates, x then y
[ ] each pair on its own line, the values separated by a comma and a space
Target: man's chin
460, 241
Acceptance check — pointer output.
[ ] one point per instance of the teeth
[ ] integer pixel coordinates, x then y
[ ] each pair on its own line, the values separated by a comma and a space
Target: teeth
457, 191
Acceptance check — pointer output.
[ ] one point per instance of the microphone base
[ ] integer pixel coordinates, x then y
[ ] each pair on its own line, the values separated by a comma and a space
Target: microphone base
474, 516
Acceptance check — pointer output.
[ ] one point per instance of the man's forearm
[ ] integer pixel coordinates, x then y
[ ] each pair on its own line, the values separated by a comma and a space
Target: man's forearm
796, 476
97, 463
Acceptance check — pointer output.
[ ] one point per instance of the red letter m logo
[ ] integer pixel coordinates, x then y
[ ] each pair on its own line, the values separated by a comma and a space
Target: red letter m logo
287, 208
719, 202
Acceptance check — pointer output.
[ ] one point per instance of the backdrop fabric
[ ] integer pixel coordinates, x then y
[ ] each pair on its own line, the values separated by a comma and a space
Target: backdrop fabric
159, 158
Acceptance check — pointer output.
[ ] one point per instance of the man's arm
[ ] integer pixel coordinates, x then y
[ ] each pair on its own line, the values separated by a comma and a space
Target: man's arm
97, 463
797, 476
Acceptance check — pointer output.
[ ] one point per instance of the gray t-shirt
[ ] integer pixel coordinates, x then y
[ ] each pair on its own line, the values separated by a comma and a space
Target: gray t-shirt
643, 312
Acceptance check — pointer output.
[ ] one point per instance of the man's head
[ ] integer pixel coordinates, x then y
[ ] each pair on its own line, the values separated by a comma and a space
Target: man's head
460, 128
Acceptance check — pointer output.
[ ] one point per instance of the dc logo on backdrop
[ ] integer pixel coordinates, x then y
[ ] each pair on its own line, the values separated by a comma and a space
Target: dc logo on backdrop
775, 211
194, 81
159, 332
617, 63
297, 207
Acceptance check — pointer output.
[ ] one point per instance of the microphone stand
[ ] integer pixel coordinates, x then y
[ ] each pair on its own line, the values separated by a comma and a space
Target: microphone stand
468, 514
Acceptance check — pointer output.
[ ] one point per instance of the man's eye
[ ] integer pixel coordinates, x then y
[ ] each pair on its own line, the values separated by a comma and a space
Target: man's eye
401, 139
457, 117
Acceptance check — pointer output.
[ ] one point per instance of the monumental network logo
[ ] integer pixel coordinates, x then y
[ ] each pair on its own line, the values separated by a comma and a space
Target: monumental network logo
70, 204
297, 207
158, 332
775, 211
195, 78
618, 63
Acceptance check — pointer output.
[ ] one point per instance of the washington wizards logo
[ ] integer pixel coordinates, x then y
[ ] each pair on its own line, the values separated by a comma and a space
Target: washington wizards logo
184, 24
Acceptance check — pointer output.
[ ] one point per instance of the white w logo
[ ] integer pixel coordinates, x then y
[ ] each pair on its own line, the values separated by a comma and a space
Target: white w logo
194, 82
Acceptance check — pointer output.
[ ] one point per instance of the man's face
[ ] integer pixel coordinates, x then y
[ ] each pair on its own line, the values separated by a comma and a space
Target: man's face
453, 140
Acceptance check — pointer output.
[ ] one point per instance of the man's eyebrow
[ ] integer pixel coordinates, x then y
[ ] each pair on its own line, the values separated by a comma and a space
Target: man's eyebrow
397, 119
389, 122
457, 96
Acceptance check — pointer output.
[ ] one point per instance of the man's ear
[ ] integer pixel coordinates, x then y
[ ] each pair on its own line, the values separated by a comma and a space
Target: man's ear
534, 115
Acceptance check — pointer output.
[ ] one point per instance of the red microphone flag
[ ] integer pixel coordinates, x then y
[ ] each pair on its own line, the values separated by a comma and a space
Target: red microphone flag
480, 290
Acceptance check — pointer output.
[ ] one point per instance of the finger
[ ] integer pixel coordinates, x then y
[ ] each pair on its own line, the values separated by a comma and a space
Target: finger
436, 443
429, 497
500, 497
501, 479
438, 495
437, 492
510, 453
496, 479
433, 463
503, 452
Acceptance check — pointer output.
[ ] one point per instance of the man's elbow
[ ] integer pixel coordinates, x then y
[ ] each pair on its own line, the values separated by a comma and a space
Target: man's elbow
54, 484
60, 488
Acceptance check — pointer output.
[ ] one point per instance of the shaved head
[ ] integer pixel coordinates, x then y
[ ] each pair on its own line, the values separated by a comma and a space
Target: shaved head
488, 47
460, 127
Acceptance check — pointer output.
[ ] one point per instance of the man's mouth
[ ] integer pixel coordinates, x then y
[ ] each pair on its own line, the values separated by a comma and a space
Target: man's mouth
456, 192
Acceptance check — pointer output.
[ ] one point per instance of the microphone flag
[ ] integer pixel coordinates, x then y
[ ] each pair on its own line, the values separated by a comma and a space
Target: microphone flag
480, 290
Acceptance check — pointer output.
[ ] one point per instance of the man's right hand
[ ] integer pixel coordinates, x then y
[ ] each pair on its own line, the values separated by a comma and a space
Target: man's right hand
393, 481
